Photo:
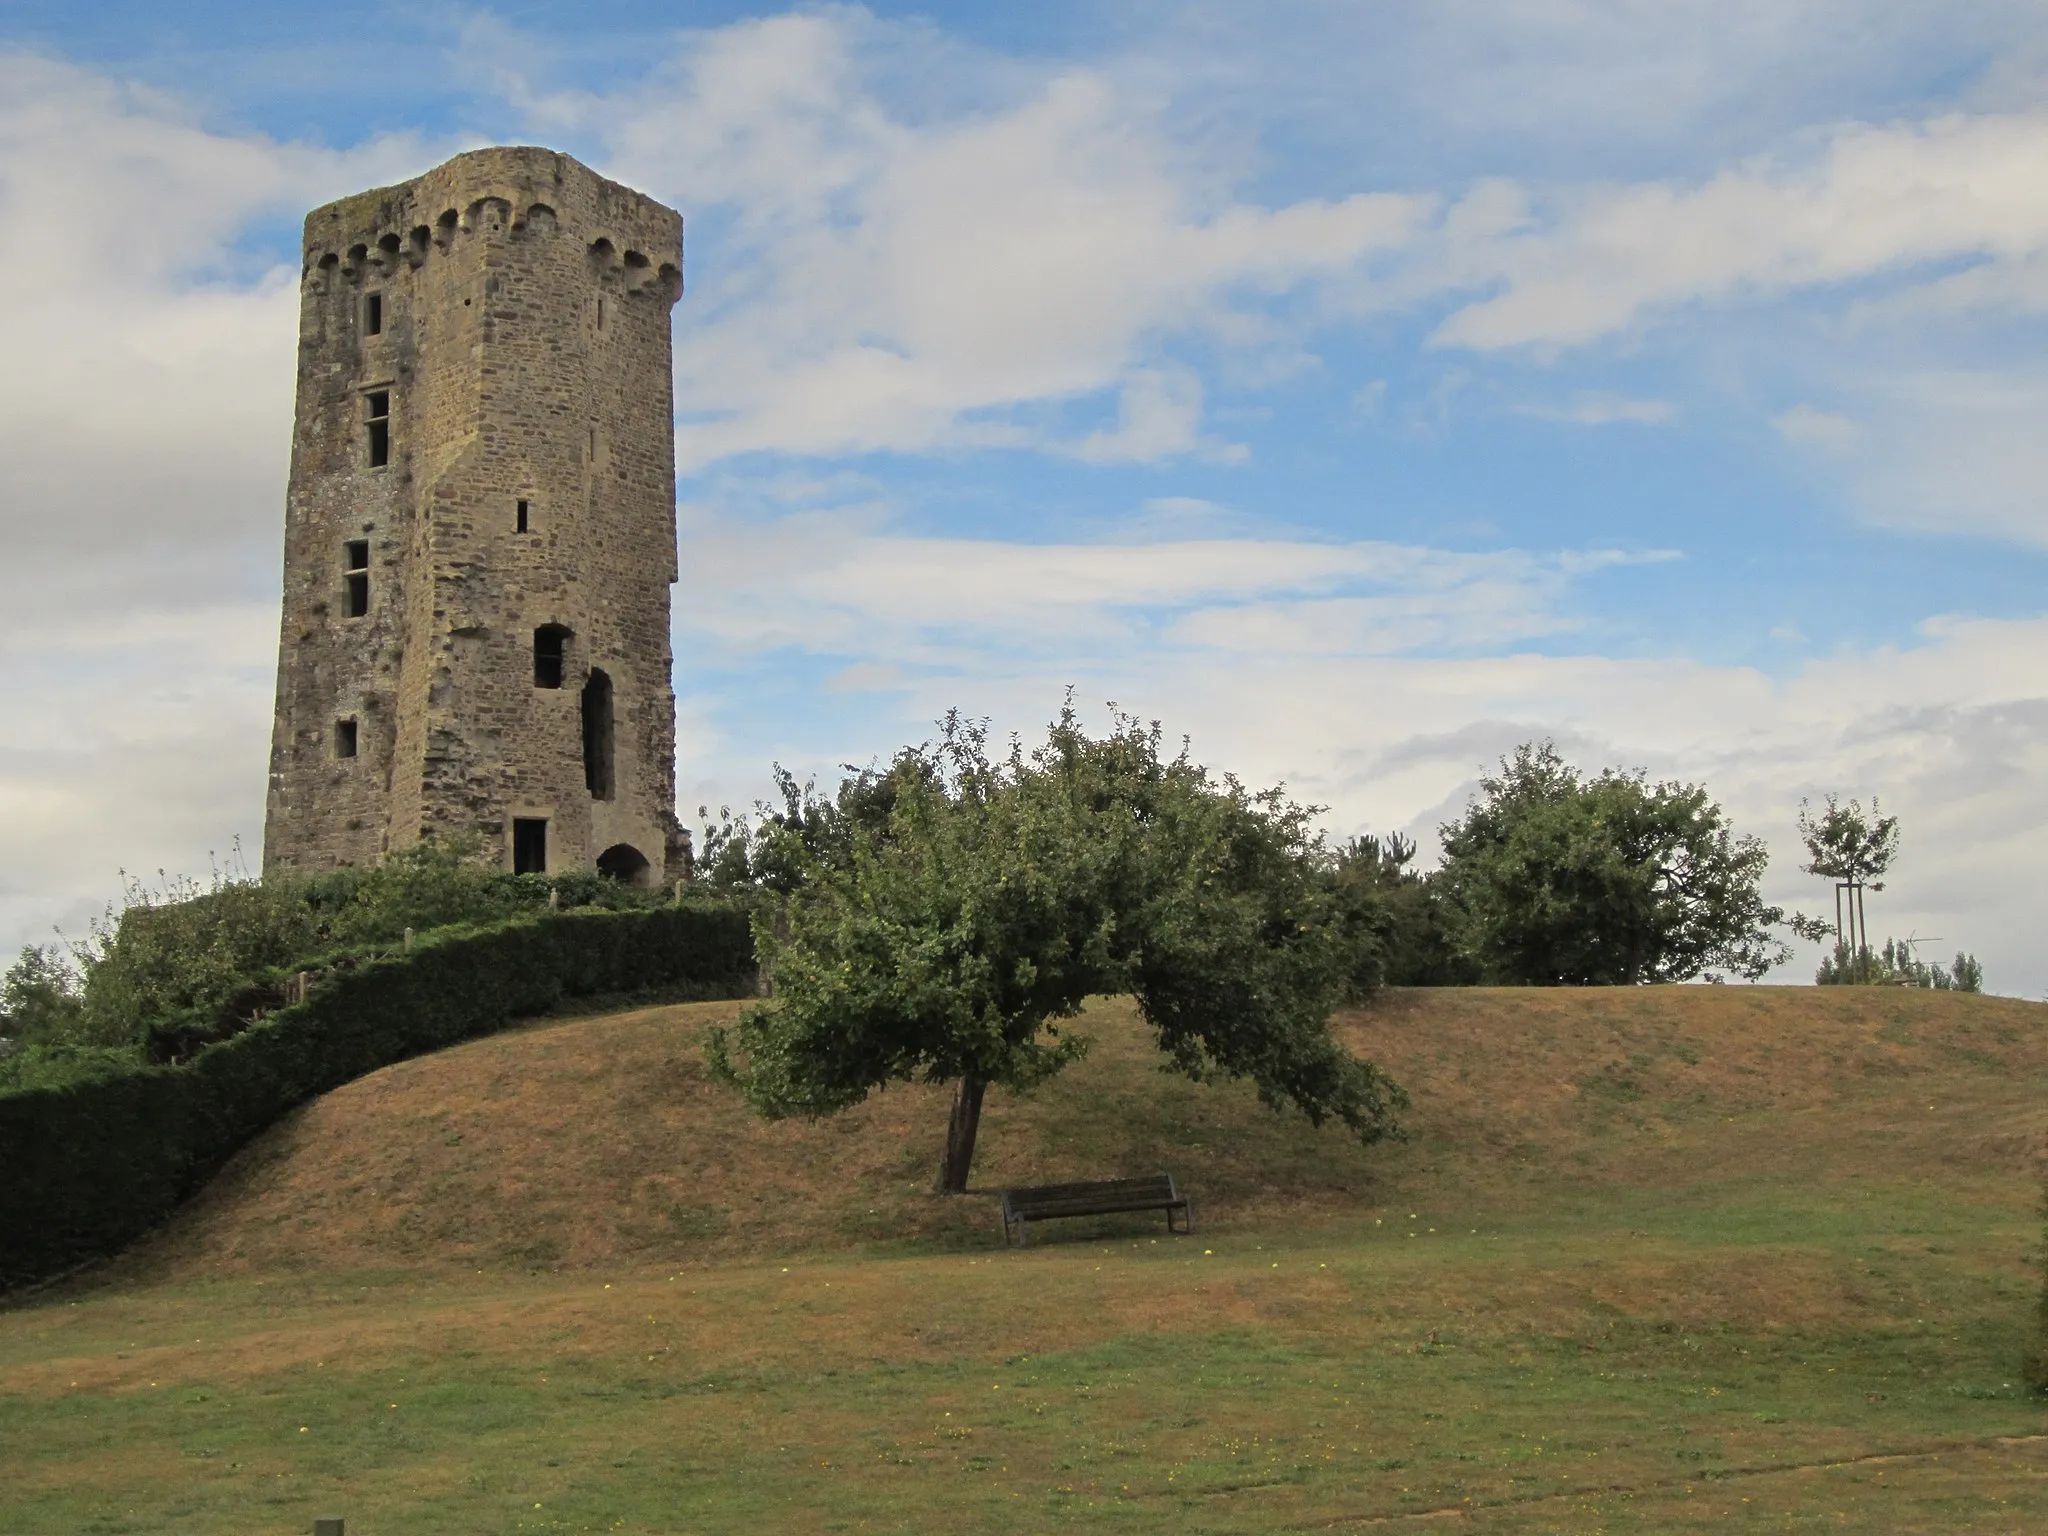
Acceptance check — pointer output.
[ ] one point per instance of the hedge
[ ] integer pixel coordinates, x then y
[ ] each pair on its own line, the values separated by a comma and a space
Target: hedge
90, 1166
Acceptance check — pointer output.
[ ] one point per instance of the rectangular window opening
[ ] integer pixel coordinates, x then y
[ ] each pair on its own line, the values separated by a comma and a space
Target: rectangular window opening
550, 653
522, 524
373, 314
378, 405
344, 738
593, 445
600, 314
355, 580
529, 845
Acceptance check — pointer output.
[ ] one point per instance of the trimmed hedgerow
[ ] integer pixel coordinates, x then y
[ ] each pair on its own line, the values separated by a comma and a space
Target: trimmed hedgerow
88, 1166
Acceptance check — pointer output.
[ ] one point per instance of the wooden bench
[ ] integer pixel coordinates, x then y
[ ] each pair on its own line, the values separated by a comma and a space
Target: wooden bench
1103, 1197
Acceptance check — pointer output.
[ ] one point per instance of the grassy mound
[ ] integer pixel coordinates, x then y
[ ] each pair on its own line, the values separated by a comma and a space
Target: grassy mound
599, 1143
1662, 1260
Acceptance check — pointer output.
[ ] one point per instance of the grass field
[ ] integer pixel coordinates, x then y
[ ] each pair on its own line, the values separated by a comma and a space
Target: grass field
1650, 1260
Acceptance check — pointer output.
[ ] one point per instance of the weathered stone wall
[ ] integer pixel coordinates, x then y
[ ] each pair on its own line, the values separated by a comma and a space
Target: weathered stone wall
524, 349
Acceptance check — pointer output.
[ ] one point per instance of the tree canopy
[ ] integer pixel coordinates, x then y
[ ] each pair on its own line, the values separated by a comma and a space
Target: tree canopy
940, 921
1845, 844
1553, 879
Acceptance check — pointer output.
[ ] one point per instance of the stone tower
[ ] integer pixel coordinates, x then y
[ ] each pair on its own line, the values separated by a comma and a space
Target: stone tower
480, 530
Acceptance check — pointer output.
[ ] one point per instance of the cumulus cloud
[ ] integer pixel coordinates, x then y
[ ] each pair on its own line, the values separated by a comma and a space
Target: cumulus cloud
145, 424
150, 404
922, 249
836, 583
1952, 729
899, 284
1865, 200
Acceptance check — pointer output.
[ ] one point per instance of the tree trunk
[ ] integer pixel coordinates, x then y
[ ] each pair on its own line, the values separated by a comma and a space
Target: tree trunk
967, 1094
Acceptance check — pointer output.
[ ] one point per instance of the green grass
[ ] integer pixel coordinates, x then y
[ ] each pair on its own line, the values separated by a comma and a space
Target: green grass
1676, 1335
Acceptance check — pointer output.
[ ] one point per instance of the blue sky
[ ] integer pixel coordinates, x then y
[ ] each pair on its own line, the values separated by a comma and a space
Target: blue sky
1359, 388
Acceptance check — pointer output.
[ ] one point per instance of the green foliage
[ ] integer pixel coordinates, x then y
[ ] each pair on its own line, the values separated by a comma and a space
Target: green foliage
1235, 949
39, 1002
1552, 879
1895, 965
938, 920
88, 1164
1844, 843
771, 853
179, 949
187, 960
1393, 921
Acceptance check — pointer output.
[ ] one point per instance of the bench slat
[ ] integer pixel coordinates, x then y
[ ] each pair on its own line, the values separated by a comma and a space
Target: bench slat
1099, 1197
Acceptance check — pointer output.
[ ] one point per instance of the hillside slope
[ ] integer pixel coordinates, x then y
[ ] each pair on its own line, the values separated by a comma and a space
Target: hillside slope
599, 1142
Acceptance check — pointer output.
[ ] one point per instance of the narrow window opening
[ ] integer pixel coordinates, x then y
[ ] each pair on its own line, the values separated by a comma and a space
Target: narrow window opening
377, 403
373, 314
597, 735
522, 523
529, 845
550, 649
593, 445
600, 312
355, 578
344, 738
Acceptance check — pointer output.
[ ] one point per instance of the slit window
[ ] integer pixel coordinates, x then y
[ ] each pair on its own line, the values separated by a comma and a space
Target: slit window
597, 735
377, 414
522, 522
344, 738
529, 845
355, 578
373, 314
600, 312
550, 655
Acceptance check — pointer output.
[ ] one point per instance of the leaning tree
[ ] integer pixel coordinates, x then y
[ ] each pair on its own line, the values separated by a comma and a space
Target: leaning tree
949, 931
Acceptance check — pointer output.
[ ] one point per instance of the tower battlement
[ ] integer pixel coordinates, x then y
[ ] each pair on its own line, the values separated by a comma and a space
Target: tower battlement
480, 526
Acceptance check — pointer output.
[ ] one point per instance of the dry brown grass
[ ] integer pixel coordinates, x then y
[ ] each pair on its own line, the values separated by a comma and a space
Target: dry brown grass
599, 1143
1673, 1259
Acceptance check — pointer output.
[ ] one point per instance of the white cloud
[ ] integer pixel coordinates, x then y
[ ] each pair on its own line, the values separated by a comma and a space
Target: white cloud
1807, 427
147, 413
1011, 262
910, 285
1946, 451
145, 425
1867, 200
837, 584
1952, 731
1599, 410
1159, 414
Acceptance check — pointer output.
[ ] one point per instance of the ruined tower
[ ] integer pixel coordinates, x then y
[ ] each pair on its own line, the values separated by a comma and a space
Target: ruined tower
480, 529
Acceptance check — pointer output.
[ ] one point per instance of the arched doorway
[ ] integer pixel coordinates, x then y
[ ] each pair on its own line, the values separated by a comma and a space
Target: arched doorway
624, 863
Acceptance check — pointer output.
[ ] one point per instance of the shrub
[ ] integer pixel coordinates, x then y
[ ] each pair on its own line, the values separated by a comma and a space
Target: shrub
39, 1002
91, 1163
1554, 879
168, 955
187, 963
1896, 966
